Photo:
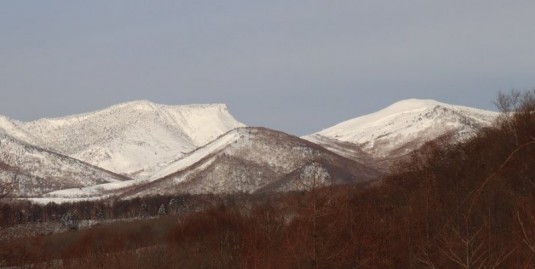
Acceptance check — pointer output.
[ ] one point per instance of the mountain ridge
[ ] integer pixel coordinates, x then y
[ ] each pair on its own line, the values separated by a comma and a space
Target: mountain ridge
202, 148
36, 171
246, 159
401, 128
131, 138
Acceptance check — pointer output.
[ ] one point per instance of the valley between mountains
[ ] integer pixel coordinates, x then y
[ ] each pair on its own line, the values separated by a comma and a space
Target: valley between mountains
141, 149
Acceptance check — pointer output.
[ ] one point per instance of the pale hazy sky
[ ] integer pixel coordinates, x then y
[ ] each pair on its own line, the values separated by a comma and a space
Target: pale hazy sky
295, 66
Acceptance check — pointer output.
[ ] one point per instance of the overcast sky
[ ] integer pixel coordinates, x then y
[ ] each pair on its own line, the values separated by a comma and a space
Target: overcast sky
295, 66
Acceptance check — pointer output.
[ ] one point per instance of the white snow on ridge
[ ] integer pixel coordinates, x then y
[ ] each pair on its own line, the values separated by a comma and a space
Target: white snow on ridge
134, 138
406, 121
103, 191
11, 127
149, 142
203, 123
199, 154
40, 171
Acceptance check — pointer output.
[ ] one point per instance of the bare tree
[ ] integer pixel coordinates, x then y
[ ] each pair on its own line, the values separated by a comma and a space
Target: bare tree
508, 102
7, 186
527, 233
513, 104
465, 246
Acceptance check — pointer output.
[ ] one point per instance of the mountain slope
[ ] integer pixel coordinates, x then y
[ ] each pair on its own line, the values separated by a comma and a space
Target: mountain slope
401, 128
38, 171
242, 160
253, 159
133, 138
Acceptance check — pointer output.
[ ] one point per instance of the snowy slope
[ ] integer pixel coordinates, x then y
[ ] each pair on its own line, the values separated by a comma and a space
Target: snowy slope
12, 128
255, 159
38, 171
103, 191
133, 138
401, 128
242, 160
202, 149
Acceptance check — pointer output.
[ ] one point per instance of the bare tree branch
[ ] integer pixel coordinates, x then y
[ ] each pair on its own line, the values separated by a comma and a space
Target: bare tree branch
8, 186
527, 241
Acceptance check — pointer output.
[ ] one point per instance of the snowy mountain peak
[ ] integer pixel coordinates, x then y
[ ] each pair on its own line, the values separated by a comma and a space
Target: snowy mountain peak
145, 105
132, 108
141, 105
131, 138
395, 110
410, 104
404, 126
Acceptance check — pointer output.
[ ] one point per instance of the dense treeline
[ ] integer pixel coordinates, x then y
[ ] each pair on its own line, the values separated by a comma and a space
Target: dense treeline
469, 205
23, 212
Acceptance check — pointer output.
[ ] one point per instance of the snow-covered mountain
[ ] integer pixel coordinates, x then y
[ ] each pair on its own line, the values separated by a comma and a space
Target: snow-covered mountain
400, 129
132, 139
203, 149
242, 160
37, 171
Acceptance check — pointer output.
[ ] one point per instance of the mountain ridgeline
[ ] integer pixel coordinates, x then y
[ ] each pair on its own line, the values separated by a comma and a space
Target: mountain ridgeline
388, 136
141, 149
